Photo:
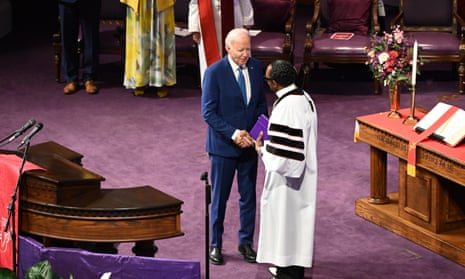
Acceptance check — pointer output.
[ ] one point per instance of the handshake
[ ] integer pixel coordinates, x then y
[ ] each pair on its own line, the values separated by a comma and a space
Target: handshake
244, 140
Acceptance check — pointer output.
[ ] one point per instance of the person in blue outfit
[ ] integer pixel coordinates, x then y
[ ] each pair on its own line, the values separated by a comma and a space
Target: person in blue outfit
79, 17
230, 113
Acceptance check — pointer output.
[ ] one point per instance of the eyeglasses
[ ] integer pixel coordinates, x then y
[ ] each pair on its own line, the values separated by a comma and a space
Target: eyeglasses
267, 78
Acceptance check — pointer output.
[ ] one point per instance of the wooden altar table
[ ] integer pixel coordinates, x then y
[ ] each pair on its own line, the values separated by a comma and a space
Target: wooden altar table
428, 209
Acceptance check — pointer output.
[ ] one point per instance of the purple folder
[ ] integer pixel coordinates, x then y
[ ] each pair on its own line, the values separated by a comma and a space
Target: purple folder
260, 125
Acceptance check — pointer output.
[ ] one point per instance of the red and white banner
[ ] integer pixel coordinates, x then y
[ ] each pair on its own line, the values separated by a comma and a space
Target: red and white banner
208, 27
209, 36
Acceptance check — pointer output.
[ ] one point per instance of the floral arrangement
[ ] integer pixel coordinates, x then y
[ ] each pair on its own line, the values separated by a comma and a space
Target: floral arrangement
390, 57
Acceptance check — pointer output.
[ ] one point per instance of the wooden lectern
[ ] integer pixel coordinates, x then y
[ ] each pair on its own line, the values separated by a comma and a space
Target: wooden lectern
429, 209
64, 203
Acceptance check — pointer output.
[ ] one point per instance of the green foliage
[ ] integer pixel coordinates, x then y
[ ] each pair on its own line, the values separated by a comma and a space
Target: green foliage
5, 273
40, 270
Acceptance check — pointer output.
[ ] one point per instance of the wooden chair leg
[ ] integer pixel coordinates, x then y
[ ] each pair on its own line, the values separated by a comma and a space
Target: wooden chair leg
56, 42
122, 49
461, 73
377, 87
305, 70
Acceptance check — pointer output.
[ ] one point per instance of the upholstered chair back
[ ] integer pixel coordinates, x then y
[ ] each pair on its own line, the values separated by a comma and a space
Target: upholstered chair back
433, 13
272, 15
275, 19
439, 31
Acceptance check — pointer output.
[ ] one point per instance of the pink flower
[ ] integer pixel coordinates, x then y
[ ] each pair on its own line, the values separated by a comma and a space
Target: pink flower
371, 53
398, 37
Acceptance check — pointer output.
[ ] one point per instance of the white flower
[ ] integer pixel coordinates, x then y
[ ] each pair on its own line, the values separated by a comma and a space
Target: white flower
383, 57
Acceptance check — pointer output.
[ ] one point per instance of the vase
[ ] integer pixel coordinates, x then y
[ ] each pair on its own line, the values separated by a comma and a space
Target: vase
394, 100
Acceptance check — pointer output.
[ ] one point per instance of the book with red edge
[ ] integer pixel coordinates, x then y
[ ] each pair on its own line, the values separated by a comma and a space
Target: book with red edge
342, 36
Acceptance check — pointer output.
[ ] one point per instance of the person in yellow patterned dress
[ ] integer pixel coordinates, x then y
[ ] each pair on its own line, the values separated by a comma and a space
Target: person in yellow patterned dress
150, 59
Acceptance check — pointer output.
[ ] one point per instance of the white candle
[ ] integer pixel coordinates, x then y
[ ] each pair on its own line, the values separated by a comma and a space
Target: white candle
414, 63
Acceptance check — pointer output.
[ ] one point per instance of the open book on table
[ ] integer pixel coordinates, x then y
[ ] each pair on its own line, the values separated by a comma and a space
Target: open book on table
452, 131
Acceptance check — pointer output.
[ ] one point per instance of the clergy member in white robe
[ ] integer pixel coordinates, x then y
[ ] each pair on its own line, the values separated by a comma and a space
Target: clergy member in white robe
243, 17
288, 201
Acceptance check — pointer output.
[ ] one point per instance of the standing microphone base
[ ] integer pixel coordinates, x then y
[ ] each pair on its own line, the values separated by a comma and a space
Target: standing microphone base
208, 190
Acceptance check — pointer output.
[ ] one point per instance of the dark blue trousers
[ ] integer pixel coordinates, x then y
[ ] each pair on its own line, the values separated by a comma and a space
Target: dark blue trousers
223, 171
80, 18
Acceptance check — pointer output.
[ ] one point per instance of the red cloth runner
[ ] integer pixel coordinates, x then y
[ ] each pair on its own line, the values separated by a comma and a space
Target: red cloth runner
9, 174
396, 127
207, 25
412, 146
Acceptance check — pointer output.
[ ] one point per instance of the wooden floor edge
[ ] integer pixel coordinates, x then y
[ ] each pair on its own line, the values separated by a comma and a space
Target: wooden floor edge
450, 244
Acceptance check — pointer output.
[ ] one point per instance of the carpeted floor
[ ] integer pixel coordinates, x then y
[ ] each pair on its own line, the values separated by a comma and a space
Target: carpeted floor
134, 141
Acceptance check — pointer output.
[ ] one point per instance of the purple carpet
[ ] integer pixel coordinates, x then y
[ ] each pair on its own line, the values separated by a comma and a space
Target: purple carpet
134, 141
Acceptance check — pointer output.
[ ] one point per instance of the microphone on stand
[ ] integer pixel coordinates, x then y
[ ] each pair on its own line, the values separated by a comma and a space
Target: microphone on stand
34, 131
21, 130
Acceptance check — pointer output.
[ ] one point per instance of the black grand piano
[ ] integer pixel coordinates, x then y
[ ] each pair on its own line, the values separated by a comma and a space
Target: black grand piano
65, 204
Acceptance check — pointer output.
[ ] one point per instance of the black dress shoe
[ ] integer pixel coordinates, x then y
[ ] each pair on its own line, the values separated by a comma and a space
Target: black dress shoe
248, 253
215, 256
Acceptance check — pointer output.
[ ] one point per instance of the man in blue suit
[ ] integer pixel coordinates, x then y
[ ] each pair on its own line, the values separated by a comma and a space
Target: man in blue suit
86, 15
230, 113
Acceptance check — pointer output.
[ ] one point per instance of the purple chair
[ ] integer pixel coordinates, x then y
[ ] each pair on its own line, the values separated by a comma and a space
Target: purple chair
359, 17
275, 19
439, 30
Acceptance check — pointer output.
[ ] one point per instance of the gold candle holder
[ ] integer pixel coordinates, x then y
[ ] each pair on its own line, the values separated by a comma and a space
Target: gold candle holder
412, 119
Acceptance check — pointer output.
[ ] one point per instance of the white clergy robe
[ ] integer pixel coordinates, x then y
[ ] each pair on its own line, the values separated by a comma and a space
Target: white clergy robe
288, 201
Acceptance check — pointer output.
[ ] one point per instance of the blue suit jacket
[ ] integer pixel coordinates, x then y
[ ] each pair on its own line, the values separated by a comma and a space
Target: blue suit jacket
224, 109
